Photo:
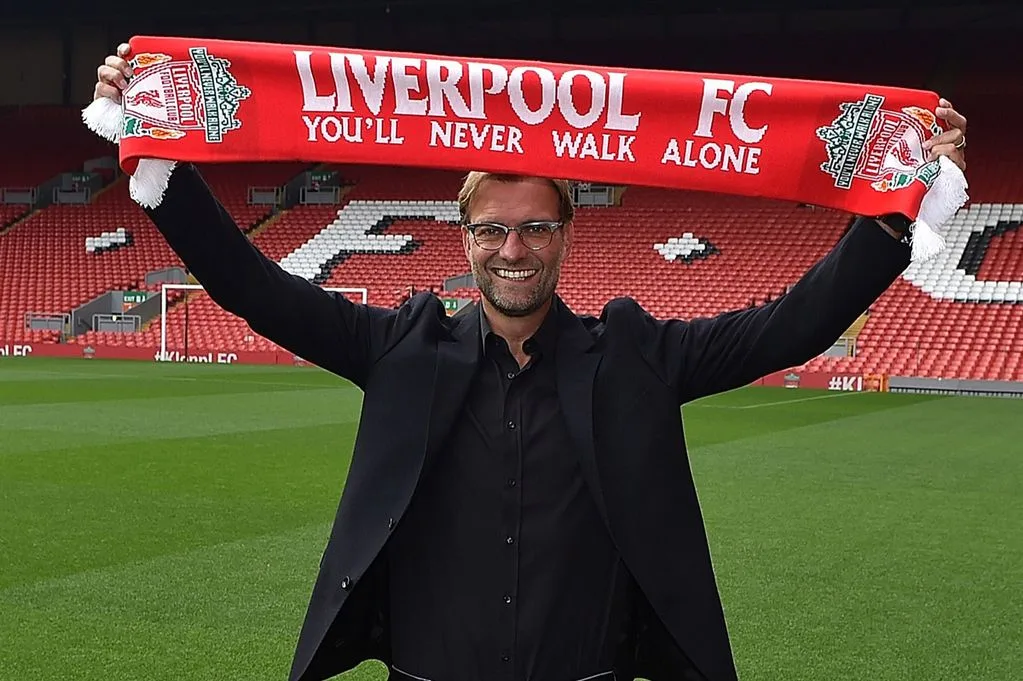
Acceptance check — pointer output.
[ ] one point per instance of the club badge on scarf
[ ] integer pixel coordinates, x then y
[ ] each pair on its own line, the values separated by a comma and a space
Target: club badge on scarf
850, 147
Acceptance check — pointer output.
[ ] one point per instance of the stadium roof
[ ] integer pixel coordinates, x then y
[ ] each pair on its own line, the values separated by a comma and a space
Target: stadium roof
64, 11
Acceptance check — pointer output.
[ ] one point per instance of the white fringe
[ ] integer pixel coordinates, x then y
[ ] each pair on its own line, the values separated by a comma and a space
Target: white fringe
940, 204
148, 184
926, 243
105, 118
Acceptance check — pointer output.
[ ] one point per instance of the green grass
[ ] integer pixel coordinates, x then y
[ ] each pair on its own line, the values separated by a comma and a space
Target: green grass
166, 522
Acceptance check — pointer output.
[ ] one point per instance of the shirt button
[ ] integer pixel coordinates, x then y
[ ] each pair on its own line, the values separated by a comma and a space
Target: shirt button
511, 375
510, 540
505, 657
390, 523
507, 600
511, 482
511, 425
345, 583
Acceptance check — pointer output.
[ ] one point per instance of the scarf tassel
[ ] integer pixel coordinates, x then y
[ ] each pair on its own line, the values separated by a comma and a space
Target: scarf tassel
149, 181
941, 202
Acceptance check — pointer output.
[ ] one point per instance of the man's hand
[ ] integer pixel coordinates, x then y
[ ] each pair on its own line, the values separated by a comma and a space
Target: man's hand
112, 76
951, 143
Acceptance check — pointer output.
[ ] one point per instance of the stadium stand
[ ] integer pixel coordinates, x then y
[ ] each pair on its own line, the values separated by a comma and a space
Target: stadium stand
615, 253
434, 255
961, 315
755, 248
46, 266
679, 253
42, 141
47, 269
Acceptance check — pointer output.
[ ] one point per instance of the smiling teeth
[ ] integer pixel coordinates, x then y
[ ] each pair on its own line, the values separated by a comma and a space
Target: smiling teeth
515, 274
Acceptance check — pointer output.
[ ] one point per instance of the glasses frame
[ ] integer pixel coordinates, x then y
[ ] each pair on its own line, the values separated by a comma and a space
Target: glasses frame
552, 227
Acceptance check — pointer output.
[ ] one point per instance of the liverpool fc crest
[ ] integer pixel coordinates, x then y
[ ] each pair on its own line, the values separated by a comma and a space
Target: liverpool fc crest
878, 145
166, 99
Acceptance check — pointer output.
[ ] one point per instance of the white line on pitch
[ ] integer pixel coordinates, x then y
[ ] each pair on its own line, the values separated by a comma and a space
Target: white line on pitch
210, 379
776, 404
190, 379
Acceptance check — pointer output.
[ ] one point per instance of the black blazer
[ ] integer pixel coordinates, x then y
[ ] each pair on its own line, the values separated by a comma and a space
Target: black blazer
621, 377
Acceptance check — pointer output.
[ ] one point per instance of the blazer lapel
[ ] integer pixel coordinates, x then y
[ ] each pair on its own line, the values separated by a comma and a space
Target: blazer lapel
458, 356
577, 365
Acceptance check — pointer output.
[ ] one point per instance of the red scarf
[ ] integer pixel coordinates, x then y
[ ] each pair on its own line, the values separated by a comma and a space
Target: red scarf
855, 148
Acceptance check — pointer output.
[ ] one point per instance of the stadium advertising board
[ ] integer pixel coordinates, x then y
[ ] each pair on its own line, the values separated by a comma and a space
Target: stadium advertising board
827, 380
201, 358
97, 351
817, 380
15, 350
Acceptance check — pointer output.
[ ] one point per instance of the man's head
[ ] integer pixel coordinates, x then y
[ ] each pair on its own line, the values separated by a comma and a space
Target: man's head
517, 273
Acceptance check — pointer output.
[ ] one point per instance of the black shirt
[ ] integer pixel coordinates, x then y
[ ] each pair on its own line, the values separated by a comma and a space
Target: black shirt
502, 569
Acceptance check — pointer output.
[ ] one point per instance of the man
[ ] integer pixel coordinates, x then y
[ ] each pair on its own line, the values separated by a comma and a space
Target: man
519, 504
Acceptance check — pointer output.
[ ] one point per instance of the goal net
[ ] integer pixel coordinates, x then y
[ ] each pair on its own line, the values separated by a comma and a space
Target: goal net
193, 328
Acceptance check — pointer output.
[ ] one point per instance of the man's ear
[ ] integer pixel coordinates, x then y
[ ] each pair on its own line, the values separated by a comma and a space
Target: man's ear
569, 233
466, 243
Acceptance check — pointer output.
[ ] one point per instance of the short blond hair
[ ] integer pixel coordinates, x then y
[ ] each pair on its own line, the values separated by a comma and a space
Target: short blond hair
471, 185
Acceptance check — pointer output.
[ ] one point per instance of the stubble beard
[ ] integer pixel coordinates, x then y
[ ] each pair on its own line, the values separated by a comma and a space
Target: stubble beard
489, 285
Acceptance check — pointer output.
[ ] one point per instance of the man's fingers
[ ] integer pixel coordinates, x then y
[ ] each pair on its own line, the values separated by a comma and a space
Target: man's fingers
942, 150
949, 150
954, 118
112, 76
119, 64
108, 91
106, 72
947, 137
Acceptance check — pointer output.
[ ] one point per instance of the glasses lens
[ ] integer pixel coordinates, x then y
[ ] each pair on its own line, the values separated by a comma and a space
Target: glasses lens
488, 237
536, 235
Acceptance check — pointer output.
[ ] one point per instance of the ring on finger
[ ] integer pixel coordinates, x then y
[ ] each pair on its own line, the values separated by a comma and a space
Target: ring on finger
961, 143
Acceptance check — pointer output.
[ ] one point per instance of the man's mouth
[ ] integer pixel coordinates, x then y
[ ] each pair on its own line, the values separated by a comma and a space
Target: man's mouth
514, 275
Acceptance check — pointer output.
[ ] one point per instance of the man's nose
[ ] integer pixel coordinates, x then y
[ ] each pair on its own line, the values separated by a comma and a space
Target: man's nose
513, 248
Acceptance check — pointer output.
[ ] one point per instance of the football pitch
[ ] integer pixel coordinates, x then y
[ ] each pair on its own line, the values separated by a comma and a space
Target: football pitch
165, 522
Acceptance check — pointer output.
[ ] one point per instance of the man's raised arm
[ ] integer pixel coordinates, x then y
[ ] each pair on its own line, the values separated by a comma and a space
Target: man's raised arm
320, 326
707, 356
711, 355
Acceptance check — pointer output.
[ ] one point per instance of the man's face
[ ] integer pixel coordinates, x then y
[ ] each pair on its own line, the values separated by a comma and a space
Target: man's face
517, 281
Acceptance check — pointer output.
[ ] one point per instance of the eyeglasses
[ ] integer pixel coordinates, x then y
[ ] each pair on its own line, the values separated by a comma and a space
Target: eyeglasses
535, 236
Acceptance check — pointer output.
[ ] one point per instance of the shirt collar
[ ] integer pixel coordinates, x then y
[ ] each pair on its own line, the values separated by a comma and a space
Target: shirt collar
541, 342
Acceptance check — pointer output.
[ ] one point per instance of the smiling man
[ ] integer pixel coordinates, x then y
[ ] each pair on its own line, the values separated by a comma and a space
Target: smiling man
517, 232
519, 505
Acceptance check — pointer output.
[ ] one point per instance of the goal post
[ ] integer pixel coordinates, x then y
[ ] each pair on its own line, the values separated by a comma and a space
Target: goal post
361, 292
